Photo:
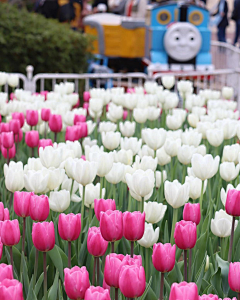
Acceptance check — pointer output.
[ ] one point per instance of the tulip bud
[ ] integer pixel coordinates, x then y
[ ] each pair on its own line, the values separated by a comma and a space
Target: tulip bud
6, 272
10, 233
191, 212
59, 201
132, 281
43, 236
111, 225
32, 117
97, 293
163, 257
55, 123
150, 236
83, 129
21, 203
232, 203
78, 118
18, 116
4, 127
8, 153
183, 291
113, 265
39, 208
6, 214
1, 212
72, 133
233, 275
102, 205
96, 244
7, 140
208, 297
11, 289
32, 138
185, 234
154, 212
76, 282
69, 226
18, 137
44, 143
133, 225
45, 114
14, 126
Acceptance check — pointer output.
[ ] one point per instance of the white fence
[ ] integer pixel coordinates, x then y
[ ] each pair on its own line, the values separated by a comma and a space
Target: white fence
226, 59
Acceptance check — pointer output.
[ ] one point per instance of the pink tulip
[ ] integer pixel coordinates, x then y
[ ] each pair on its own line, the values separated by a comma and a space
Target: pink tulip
44, 143
8, 153
14, 126
4, 127
6, 272
233, 276
125, 114
77, 104
208, 297
32, 138
6, 214
7, 139
97, 293
43, 236
83, 129
163, 257
86, 106
76, 282
72, 133
113, 264
96, 244
86, 96
12, 96
55, 123
10, 233
111, 225
191, 212
103, 205
11, 289
44, 93
183, 291
135, 260
185, 234
83, 157
133, 225
45, 114
39, 208
21, 203
18, 137
1, 244
79, 118
32, 117
132, 282
106, 286
69, 226
19, 116
1, 212
233, 203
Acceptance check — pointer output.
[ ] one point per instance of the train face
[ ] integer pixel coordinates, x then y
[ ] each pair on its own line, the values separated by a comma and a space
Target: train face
179, 38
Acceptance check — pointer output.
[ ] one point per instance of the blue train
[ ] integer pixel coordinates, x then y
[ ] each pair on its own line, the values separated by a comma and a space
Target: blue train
177, 37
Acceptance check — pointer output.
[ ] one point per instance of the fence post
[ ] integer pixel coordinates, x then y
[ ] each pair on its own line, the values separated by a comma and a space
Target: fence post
29, 85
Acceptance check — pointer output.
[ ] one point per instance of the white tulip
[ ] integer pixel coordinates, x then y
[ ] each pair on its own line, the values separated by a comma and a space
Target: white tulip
153, 113
176, 194
171, 146
154, 211
150, 87
199, 111
152, 101
215, 136
202, 128
56, 177
70, 167
154, 138
141, 184
13, 80
193, 120
127, 128
96, 105
3, 78
181, 112
205, 167
191, 138
111, 140
107, 126
195, 185
65, 185
201, 150
171, 101
145, 163
150, 237
128, 170
91, 192
168, 81
14, 176
50, 157
142, 102
104, 162
59, 201
223, 193
185, 154
36, 181
174, 135
146, 151
185, 86
89, 142
131, 143
94, 148
115, 112
162, 95
84, 172
33, 164
130, 101
230, 153
116, 173
174, 122
221, 225
190, 172
123, 156
227, 92
228, 171
140, 115
163, 157
90, 126
160, 178
229, 127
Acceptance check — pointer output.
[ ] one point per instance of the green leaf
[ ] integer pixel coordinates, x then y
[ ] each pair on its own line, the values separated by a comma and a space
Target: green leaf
52, 294
25, 274
166, 234
31, 294
224, 266
201, 246
57, 260
216, 283
60, 293
39, 284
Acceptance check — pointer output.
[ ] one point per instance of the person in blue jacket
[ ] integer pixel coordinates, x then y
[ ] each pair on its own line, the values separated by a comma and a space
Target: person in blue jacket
221, 20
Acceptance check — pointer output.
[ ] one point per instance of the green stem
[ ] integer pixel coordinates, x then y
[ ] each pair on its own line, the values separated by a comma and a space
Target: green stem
94, 271
147, 264
184, 173
132, 248
174, 221
201, 197
90, 213
69, 254
185, 265
142, 205
112, 247
231, 241
35, 267
23, 235
45, 274
11, 255
114, 193
101, 186
129, 201
190, 266
162, 287
82, 213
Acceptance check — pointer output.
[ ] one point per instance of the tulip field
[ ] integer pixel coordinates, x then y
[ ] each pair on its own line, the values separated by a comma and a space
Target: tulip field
134, 194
